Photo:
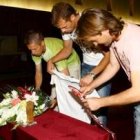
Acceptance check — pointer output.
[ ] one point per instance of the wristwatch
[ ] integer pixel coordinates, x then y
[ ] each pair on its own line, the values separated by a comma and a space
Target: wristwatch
92, 74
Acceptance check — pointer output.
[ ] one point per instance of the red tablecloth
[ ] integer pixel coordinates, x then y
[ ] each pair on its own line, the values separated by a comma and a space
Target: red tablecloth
52, 125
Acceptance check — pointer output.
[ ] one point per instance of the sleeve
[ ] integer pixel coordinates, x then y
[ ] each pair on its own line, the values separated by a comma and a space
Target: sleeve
36, 60
113, 58
66, 36
61, 65
135, 56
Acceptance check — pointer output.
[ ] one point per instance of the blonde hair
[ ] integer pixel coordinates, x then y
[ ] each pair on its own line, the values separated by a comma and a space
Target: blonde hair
94, 21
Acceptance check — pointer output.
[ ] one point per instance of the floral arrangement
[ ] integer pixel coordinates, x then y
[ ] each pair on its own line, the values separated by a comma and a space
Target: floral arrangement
13, 108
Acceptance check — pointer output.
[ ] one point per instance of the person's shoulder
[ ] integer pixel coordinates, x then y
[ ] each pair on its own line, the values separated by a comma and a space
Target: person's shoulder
132, 26
53, 38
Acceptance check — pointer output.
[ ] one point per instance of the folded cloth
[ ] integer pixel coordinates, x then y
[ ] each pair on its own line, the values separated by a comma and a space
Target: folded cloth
68, 104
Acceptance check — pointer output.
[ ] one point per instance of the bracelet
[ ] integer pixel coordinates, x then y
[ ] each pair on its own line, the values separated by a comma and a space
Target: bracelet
92, 74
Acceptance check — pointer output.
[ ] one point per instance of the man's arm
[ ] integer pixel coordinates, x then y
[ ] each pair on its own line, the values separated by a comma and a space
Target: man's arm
131, 95
103, 63
87, 79
63, 54
111, 69
38, 76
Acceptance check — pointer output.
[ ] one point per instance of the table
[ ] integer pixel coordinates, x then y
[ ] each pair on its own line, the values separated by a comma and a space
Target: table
52, 125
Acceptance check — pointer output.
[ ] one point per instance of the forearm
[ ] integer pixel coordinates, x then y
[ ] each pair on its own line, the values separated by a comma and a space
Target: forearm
123, 98
102, 65
38, 80
131, 95
64, 53
111, 69
106, 75
128, 96
87, 79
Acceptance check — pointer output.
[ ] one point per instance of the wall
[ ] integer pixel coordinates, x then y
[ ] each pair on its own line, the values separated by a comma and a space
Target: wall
17, 21
119, 7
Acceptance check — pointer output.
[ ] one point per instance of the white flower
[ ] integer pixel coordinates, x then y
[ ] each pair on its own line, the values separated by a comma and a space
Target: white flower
21, 113
2, 110
7, 95
9, 112
32, 97
42, 106
2, 122
5, 102
13, 107
14, 94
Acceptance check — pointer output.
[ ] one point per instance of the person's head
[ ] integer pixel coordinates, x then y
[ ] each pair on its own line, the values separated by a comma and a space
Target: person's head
64, 17
34, 41
99, 27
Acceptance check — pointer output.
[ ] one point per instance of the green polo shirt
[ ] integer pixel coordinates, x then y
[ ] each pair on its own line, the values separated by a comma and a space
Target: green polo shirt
53, 46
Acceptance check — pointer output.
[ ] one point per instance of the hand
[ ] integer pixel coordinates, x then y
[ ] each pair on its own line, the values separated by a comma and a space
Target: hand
37, 88
85, 80
92, 103
86, 90
50, 67
53, 103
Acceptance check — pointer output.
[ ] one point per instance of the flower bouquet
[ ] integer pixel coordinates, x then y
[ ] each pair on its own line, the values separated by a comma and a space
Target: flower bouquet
20, 105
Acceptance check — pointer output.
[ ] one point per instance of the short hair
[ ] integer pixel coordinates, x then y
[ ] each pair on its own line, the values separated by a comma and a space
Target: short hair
94, 21
62, 10
33, 37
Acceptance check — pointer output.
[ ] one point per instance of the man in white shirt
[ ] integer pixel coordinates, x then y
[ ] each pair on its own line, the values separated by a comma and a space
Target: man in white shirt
65, 17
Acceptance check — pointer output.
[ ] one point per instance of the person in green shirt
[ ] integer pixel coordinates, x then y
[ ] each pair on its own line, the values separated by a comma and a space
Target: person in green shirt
45, 48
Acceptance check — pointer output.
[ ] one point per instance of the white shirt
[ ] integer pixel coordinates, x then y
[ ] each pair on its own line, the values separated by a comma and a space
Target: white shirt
89, 58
